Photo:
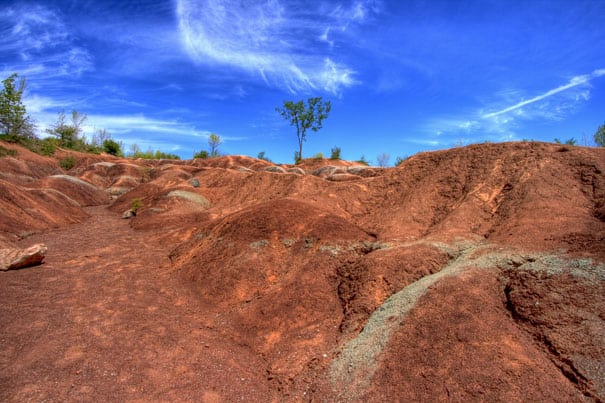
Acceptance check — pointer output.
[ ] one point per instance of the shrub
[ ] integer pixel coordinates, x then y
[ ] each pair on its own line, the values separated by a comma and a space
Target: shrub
112, 147
319, 156
47, 146
335, 153
261, 156
400, 160
202, 154
67, 163
362, 160
569, 142
135, 205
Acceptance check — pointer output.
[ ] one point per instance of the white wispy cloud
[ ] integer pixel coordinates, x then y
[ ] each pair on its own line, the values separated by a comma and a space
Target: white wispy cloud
574, 82
281, 42
139, 123
506, 123
39, 44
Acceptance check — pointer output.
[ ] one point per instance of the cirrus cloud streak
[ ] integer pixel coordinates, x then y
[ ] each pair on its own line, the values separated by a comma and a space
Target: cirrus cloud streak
285, 45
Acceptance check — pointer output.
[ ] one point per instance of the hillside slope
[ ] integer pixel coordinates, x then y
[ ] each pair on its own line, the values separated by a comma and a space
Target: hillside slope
471, 273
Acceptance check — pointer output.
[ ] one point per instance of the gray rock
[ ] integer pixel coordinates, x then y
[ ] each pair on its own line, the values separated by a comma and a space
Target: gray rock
130, 213
296, 170
194, 182
12, 258
328, 170
275, 169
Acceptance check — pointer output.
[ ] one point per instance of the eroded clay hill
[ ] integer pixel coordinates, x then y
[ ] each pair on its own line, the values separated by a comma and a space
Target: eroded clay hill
476, 273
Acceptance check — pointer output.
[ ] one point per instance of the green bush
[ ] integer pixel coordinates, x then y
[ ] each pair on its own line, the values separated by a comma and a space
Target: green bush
47, 146
400, 160
112, 147
261, 156
363, 161
202, 154
136, 204
152, 155
67, 163
335, 153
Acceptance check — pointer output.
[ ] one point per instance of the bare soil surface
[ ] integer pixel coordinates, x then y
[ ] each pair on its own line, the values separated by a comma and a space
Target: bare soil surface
469, 274
104, 319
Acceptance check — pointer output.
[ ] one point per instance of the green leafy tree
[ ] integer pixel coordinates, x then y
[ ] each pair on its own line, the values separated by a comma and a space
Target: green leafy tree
214, 140
69, 134
112, 147
305, 116
599, 136
15, 123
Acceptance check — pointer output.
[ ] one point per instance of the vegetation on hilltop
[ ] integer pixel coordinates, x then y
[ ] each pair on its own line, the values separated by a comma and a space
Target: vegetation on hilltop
18, 127
303, 117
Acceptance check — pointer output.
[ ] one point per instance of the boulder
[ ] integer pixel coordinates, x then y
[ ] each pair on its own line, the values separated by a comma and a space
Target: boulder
328, 170
296, 170
13, 258
274, 169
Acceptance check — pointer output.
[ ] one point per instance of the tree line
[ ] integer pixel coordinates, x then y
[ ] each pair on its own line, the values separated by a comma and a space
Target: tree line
17, 126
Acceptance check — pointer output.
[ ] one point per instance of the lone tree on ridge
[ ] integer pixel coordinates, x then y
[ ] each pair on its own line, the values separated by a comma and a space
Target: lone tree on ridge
214, 140
305, 117
15, 123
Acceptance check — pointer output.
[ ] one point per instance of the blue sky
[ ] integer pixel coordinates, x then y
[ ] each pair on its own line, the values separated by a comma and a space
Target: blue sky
402, 76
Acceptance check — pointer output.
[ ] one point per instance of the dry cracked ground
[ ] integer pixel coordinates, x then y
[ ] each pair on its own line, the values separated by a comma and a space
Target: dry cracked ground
471, 274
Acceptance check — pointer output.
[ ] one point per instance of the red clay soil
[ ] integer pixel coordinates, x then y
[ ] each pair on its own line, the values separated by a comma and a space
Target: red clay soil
459, 343
105, 319
476, 273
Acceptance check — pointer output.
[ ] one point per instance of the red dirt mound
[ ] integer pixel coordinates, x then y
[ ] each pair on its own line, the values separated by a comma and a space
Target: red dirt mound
459, 343
24, 211
268, 273
231, 162
475, 273
84, 193
531, 195
26, 166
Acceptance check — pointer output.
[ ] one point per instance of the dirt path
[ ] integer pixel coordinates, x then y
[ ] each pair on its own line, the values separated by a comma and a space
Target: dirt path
104, 319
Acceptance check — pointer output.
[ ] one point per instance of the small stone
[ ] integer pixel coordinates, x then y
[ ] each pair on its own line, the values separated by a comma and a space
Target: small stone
194, 182
130, 213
